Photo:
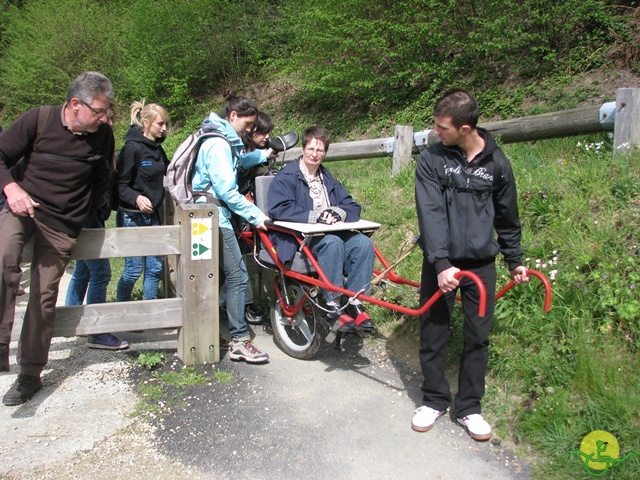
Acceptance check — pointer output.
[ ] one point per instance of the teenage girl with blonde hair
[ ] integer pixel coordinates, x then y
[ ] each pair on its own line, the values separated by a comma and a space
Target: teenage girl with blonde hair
142, 164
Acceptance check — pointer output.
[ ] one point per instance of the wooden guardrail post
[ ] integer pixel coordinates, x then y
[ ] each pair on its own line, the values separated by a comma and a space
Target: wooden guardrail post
402, 148
197, 283
626, 132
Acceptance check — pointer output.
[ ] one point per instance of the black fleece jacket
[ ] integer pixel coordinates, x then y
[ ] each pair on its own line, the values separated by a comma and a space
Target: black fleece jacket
458, 224
140, 170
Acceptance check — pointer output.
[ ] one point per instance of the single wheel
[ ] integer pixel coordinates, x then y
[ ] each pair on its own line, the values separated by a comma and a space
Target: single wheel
301, 336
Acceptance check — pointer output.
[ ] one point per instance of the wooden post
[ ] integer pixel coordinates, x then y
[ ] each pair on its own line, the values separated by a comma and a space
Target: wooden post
197, 284
626, 132
402, 147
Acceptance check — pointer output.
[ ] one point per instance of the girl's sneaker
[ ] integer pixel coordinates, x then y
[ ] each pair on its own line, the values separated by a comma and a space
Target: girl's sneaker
247, 351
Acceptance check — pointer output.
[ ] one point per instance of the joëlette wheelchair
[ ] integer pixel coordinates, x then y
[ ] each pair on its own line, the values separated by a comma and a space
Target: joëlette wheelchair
298, 312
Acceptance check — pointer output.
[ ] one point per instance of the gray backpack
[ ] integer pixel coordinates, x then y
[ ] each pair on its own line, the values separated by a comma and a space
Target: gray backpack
177, 180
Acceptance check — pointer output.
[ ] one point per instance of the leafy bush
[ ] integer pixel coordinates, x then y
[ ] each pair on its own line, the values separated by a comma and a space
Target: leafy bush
47, 43
176, 51
168, 52
381, 55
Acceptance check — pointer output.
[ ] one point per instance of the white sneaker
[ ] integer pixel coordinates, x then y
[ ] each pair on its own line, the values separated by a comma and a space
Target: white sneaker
476, 426
424, 418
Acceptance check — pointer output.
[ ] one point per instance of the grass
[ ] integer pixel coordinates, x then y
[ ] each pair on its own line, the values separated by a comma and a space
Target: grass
164, 386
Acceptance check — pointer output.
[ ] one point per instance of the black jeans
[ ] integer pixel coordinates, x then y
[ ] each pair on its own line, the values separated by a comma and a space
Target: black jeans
434, 336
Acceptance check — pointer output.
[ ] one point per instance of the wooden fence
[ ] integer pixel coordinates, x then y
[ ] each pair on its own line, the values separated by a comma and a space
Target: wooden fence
620, 116
193, 240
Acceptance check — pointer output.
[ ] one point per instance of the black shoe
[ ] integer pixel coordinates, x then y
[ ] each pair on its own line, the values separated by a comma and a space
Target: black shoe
23, 390
4, 357
362, 318
253, 315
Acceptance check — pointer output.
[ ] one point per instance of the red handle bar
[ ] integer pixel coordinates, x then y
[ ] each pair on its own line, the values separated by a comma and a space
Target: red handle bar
542, 278
482, 293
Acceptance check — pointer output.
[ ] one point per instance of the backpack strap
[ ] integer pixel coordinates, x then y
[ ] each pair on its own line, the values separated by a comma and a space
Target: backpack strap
44, 113
205, 192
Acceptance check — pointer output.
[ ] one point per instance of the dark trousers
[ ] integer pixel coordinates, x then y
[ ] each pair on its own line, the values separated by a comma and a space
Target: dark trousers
434, 336
51, 253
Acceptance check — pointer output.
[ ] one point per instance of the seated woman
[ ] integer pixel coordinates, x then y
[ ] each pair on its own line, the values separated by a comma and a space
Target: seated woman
305, 192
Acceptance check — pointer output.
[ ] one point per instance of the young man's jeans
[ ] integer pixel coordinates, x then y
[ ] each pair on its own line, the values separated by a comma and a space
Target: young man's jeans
345, 253
134, 266
90, 277
235, 272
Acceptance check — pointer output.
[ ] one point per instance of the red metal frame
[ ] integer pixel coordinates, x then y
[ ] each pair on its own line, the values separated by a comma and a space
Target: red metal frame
323, 282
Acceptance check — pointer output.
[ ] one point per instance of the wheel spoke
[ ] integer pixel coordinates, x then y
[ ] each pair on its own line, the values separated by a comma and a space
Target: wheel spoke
300, 338
303, 326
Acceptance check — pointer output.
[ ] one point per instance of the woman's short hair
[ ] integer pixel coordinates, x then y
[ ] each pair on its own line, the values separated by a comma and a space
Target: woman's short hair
319, 133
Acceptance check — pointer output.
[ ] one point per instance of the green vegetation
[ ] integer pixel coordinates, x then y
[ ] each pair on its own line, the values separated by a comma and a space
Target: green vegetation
361, 67
150, 359
166, 387
355, 66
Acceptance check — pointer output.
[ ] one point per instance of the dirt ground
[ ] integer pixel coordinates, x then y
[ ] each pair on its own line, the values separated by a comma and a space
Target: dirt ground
344, 414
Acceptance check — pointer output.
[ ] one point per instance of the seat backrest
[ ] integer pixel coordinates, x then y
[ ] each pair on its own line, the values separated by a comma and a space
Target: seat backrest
300, 263
262, 189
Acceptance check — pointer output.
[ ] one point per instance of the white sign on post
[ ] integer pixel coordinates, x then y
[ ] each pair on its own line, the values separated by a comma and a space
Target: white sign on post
201, 238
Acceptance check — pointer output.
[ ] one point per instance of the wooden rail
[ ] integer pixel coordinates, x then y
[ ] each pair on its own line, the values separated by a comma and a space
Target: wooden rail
620, 116
194, 310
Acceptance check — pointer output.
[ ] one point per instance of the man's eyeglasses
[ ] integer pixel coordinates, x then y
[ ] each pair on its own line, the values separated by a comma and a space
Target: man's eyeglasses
318, 152
97, 113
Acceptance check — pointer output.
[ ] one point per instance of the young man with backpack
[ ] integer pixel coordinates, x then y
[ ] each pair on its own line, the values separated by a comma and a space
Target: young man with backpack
458, 219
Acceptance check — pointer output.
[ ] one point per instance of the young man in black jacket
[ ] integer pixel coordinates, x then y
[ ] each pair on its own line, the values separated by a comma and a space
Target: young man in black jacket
460, 209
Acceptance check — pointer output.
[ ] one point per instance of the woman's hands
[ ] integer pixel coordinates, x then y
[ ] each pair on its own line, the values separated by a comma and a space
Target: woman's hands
144, 204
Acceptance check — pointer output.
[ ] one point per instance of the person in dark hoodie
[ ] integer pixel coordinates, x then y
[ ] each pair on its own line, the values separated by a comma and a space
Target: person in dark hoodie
142, 164
459, 220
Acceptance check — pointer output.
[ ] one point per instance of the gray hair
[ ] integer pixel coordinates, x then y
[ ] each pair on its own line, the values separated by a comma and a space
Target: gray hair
89, 85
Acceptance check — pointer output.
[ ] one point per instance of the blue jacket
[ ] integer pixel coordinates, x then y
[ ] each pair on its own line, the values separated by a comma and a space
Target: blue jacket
216, 165
289, 200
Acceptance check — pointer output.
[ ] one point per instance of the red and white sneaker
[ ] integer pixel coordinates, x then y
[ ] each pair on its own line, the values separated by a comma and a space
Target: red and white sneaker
476, 426
362, 318
424, 418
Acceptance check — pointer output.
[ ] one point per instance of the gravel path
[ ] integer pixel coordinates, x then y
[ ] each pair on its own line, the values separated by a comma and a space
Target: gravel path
343, 415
